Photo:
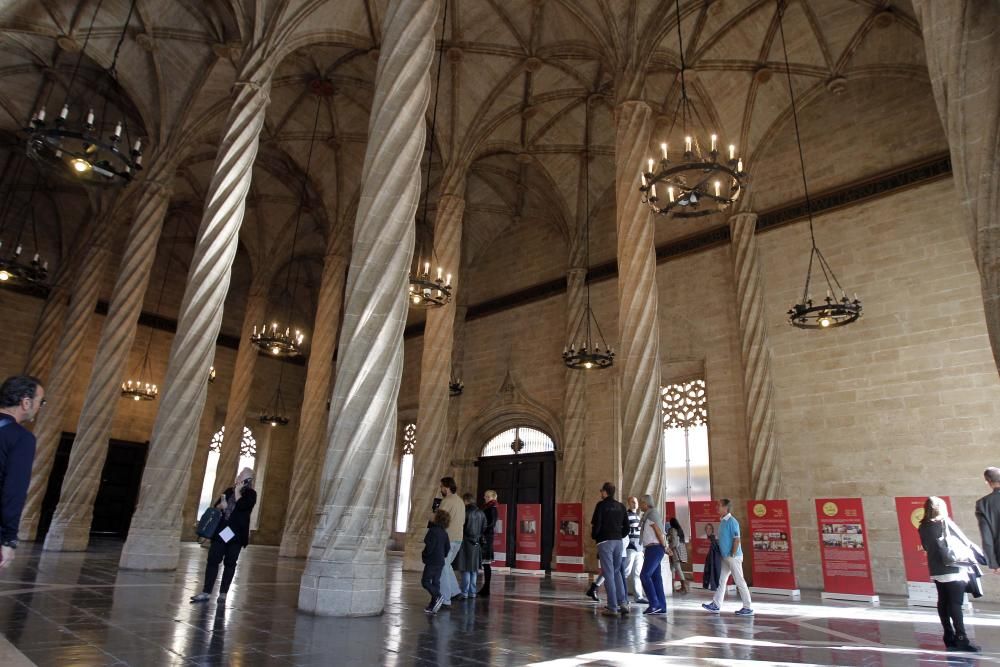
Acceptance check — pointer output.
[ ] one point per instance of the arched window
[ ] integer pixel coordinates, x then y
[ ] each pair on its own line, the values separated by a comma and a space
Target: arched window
685, 444
248, 459
405, 477
519, 440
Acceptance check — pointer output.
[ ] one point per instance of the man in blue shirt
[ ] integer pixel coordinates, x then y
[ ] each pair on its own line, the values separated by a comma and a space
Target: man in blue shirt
732, 561
20, 399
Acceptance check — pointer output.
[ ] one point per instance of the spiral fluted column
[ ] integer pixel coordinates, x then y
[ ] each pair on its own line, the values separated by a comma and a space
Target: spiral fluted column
431, 457
242, 384
47, 332
962, 45
758, 387
59, 383
154, 537
346, 571
314, 417
638, 360
70, 529
571, 468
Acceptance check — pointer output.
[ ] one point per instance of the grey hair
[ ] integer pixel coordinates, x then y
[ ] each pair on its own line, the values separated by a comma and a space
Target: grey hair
647, 499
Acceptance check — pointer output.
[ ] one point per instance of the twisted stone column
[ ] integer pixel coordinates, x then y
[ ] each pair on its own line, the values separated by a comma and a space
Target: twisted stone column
47, 331
638, 327
154, 537
431, 456
758, 387
206, 430
464, 473
314, 418
70, 529
59, 384
345, 573
239, 390
571, 468
962, 43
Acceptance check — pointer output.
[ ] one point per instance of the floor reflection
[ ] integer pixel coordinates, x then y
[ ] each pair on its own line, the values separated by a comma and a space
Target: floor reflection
78, 609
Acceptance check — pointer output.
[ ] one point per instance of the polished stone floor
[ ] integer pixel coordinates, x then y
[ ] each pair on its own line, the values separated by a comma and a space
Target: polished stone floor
77, 609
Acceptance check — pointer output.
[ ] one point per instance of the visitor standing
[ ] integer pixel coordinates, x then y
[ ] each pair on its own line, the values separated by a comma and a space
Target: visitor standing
943, 541
455, 508
436, 547
988, 516
21, 397
470, 554
609, 525
677, 550
633, 551
732, 561
231, 536
490, 511
654, 545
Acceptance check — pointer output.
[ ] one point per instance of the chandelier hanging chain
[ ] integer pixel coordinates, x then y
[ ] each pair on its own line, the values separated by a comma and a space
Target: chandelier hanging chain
303, 195
424, 291
113, 73
433, 133
79, 57
834, 310
827, 270
680, 51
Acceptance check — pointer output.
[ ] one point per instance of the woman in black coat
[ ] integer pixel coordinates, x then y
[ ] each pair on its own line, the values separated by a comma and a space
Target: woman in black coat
938, 536
490, 510
232, 535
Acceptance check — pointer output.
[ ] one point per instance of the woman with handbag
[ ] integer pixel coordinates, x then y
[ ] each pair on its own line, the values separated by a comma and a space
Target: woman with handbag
231, 536
951, 560
677, 550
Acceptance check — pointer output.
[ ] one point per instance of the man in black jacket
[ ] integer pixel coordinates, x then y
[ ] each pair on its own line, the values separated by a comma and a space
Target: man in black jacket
20, 399
988, 515
609, 527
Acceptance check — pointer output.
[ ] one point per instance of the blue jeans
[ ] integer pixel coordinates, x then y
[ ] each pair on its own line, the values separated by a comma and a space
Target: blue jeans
469, 583
652, 578
610, 554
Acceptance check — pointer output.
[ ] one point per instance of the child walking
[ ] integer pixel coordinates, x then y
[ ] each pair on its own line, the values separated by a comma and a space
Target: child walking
436, 547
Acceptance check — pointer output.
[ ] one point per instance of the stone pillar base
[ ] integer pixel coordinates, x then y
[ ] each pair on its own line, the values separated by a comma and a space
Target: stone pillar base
412, 562
67, 537
294, 545
348, 584
28, 529
150, 550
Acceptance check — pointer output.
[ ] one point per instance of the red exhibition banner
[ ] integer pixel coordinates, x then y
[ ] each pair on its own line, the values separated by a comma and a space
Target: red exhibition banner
771, 543
704, 521
843, 546
670, 512
528, 553
569, 539
500, 537
909, 512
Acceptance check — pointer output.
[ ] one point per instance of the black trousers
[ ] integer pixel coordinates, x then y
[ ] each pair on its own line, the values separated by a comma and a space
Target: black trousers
951, 597
431, 581
226, 553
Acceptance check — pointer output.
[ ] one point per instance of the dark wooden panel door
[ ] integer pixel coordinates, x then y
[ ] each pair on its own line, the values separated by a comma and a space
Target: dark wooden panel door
119, 490
528, 479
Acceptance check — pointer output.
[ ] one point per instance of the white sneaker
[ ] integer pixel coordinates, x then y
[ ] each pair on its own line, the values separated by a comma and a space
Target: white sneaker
200, 597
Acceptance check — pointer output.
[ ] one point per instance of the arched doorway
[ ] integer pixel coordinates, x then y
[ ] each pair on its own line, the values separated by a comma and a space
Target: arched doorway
520, 465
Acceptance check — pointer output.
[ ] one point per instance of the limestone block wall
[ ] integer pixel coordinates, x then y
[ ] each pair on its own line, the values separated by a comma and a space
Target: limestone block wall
904, 402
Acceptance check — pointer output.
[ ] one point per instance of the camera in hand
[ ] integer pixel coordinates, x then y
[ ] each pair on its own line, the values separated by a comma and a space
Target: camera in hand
436, 504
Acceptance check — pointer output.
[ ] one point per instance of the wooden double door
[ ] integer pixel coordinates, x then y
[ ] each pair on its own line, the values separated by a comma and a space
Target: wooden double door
526, 479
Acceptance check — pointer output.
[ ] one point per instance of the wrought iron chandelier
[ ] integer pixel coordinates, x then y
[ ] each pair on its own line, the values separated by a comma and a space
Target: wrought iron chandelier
276, 415
211, 374
141, 388
836, 309
699, 178
13, 266
427, 290
286, 341
78, 147
584, 351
